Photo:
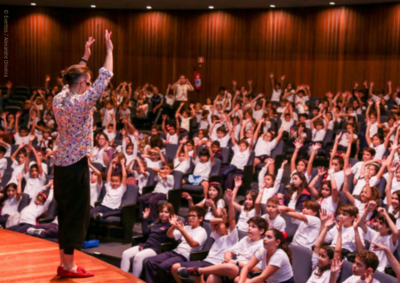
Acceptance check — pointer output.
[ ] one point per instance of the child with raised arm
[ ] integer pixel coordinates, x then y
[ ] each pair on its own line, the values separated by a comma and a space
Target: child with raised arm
385, 232
393, 197
182, 159
129, 149
222, 135
377, 141
96, 183
10, 198
318, 131
269, 184
309, 223
170, 131
276, 88
272, 215
115, 188
111, 128
34, 176
303, 166
373, 118
185, 117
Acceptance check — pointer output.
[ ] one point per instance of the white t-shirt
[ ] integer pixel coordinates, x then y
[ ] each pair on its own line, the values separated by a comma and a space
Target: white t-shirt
375, 237
269, 192
278, 223
182, 166
286, 125
397, 216
263, 147
395, 185
343, 141
111, 136
379, 150
10, 206
182, 91
361, 208
318, 135
164, 185
276, 95
34, 185
361, 184
172, 139
240, 158
113, 197
245, 249
33, 211
153, 164
95, 189
185, 123
339, 178
373, 129
3, 165
221, 244
348, 238
223, 142
209, 215
202, 169
356, 169
307, 232
357, 279
279, 259
257, 114
198, 234
141, 180
19, 139
329, 205
324, 278
244, 216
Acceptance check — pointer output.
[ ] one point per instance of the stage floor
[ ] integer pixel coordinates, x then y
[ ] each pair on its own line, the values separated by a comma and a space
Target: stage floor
24, 258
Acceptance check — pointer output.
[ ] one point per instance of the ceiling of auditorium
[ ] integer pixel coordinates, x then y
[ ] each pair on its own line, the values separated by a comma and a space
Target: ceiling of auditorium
186, 4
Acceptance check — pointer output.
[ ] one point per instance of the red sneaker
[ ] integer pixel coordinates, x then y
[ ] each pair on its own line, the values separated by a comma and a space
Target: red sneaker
80, 273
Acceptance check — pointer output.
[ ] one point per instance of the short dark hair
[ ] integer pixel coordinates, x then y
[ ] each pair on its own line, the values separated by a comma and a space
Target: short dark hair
74, 73
383, 219
2, 150
369, 258
216, 143
370, 150
350, 209
204, 152
199, 211
260, 222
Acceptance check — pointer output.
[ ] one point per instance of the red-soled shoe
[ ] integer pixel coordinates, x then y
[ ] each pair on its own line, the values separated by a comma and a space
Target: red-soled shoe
80, 273
59, 269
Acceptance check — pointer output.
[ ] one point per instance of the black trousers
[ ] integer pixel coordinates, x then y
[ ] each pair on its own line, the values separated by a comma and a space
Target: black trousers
72, 193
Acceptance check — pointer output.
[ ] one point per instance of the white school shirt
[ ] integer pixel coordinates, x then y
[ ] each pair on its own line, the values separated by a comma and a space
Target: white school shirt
356, 169
278, 223
153, 164
339, 178
307, 232
292, 202
269, 192
380, 150
373, 181
198, 234
172, 139
98, 155
348, 237
318, 135
279, 259
203, 124
113, 197
141, 180
221, 244
18, 139
8, 150
209, 215
257, 114
375, 237
397, 216
244, 216
169, 100
329, 204
357, 279
237, 132
361, 208
276, 95
223, 142
107, 115
3, 165
34, 185
185, 123
181, 91
267, 126
395, 186
314, 278
263, 147
343, 141
111, 136
10, 206
95, 189
286, 125
33, 211
164, 185
373, 129
245, 249
240, 158
182, 166
202, 169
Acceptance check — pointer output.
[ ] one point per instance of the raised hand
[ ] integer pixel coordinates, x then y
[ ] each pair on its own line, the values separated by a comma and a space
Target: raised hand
321, 171
338, 136
336, 265
228, 195
186, 195
298, 144
271, 75
238, 181
316, 147
234, 82
109, 44
209, 143
146, 213
87, 47
369, 275
282, 77
209, 202
393, 167
347, 170
323, 215
329, 221
284, 162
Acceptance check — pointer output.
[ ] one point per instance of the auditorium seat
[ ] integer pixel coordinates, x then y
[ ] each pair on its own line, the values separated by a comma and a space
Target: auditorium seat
302, 265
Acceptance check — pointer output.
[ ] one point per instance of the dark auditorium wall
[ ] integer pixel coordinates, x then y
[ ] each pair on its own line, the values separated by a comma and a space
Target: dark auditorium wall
328, 48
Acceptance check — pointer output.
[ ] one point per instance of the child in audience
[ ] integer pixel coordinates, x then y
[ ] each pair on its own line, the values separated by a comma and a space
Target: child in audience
377, 142
185, 118
156, 235
299, 192
221, 134
319, 130
216, 149
213, 204
170, 131
9, 201
22, 135
165, 183
393, 197
225, 236
111, 128
287, 119
37, 206
364, 266
276, 88
129, 149
265, 144
34, 176
269, 185
308, 221
385, 232
202, 167
102, 153
115, 188
327, 196
193, 238
323, 255
96, 183
275, 258
275, 221
373, 118
303, 166
367, 154
155, 159
244, 251
367, 194
374, 171
182, 160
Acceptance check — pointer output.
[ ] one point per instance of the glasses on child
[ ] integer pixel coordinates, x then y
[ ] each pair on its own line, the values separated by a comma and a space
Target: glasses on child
192, 215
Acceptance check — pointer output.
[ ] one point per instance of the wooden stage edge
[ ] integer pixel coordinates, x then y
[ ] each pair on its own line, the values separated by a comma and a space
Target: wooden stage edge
28, 259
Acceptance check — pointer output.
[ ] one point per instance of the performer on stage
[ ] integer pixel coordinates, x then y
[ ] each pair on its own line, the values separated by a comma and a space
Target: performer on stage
74, 116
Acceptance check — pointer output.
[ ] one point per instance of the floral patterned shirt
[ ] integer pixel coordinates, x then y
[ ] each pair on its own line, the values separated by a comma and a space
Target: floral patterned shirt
74, 116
